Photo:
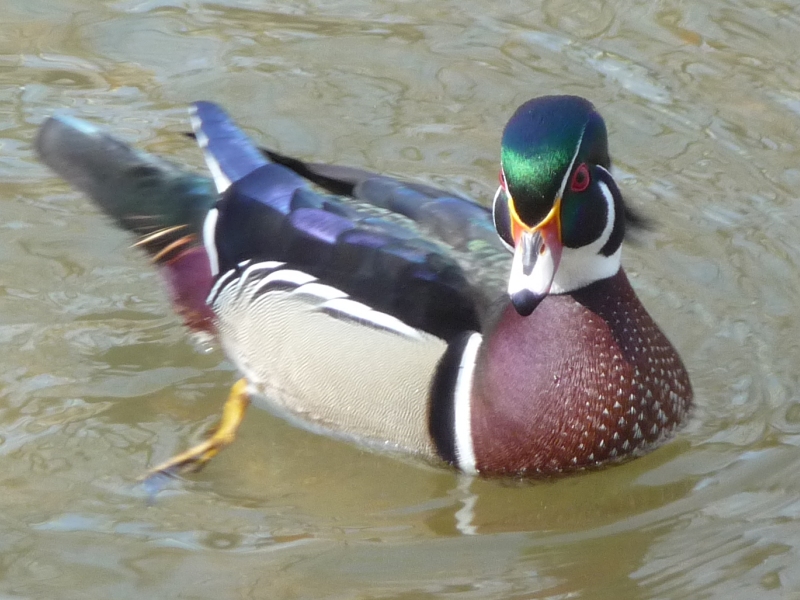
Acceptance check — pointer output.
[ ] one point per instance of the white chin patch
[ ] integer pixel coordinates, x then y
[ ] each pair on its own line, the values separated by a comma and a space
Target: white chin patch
578, 269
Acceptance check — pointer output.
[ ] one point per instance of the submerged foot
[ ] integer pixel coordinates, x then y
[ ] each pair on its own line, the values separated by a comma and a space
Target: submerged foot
197, 457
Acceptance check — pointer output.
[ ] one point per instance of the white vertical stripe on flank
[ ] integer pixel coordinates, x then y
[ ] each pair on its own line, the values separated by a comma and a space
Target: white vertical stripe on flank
209, 231
462, 396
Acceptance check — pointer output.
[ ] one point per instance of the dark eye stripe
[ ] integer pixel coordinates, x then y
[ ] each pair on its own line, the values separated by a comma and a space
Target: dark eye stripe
582, 221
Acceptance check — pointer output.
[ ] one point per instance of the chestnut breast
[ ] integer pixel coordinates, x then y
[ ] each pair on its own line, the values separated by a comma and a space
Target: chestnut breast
587, 378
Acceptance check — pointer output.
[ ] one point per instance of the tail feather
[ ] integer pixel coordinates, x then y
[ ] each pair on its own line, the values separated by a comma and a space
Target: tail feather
164, 205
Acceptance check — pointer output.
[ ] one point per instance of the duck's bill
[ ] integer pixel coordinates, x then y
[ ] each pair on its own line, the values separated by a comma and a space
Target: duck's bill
537, 254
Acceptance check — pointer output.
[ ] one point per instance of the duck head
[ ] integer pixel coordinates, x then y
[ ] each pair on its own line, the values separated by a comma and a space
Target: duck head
557, 208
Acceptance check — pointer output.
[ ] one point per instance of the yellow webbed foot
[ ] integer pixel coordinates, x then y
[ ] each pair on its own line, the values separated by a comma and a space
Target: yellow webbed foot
223, 434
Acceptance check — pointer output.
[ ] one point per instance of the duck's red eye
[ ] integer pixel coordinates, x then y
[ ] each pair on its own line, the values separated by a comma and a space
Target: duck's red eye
581, 179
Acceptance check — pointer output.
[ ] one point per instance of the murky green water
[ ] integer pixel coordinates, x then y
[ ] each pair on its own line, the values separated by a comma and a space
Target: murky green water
98, 380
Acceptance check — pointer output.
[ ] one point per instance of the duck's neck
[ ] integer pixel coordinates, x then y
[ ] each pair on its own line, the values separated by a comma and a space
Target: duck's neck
586, 379
580, 267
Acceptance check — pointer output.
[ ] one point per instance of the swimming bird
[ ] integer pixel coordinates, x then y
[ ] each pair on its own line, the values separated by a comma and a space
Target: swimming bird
502, 340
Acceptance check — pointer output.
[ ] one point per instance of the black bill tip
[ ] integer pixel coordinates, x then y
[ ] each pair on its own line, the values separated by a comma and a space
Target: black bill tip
525, 302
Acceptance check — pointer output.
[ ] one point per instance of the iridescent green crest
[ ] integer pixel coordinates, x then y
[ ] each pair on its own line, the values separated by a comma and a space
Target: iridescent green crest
539, 144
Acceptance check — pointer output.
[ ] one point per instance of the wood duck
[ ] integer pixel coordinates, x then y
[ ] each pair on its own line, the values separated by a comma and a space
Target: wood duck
502, 341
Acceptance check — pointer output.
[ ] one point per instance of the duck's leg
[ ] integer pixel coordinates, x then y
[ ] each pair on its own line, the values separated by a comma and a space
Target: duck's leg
223, 434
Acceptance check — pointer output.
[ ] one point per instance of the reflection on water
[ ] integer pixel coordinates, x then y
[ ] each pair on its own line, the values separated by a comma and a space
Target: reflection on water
99, 380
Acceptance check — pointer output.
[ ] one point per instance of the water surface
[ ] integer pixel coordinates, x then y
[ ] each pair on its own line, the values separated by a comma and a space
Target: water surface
99, 380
